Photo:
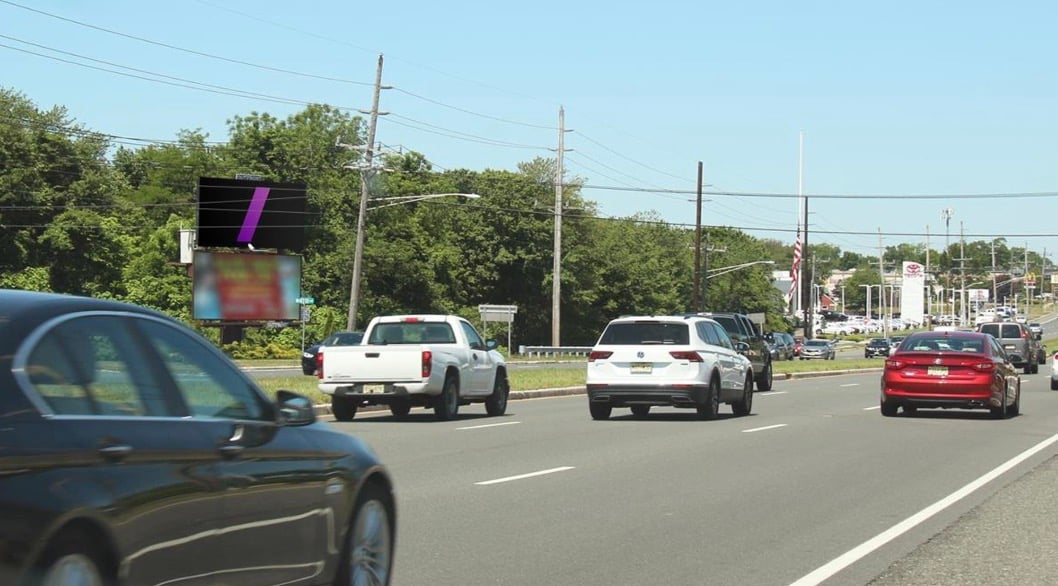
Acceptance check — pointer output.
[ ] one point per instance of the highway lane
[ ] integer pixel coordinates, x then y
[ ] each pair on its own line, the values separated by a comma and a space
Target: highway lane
546, 495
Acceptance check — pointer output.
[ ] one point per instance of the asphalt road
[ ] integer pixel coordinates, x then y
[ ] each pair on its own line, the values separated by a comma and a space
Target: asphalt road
814, 487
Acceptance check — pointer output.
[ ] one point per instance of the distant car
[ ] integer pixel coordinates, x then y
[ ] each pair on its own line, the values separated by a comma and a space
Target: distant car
308, 357
950, 370
1024, 350
894, 343
876, 347
818, 348
690, 362
781, 345
1036, 329
135, 452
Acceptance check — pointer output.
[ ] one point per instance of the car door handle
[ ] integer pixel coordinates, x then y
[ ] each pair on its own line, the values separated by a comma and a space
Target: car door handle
231, 451
115, 452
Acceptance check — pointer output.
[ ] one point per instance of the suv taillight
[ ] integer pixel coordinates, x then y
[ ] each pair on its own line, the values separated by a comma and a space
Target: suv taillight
319, 365
688, 355
599, 355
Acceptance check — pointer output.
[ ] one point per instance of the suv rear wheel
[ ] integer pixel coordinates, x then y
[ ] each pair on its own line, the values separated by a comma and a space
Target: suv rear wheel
711, 409
743, 406
600, 410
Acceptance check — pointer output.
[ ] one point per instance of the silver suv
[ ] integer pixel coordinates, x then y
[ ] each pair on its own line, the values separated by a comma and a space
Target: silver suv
1020, 344
676, 361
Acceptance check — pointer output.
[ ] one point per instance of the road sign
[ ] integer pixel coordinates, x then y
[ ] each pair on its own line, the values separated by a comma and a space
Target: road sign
306, 300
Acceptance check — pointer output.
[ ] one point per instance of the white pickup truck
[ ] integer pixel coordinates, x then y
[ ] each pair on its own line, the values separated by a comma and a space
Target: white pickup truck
403, 361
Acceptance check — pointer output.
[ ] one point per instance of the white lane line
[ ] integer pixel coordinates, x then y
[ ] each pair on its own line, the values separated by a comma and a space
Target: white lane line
524, 476
861, 551
489, 425
764, 428
769, 393
872, 408
850, 385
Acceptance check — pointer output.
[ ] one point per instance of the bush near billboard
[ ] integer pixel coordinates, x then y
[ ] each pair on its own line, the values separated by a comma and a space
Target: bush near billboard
238, 213
246, 287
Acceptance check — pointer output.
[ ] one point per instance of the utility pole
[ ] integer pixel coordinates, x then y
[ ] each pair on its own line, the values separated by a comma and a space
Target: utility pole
556, 285
806, 287
696, 296
995, 290
929, 277
881, 289
962, 276
946, 215
365, 179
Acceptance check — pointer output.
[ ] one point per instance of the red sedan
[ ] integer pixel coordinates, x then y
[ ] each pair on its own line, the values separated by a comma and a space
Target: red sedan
950, 370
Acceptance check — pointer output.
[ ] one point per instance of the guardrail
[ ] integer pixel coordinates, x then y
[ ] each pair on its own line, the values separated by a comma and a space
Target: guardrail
554, 350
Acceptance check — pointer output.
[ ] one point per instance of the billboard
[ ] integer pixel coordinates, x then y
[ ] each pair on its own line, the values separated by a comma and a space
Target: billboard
912, 292
239, 213
246, 287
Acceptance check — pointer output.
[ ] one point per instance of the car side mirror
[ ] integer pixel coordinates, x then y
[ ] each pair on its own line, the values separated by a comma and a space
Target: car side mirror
491, 344
294, 409
741, 347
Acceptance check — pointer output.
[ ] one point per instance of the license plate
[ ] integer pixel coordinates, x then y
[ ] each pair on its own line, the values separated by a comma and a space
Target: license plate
937, 371
372, 389
641, 367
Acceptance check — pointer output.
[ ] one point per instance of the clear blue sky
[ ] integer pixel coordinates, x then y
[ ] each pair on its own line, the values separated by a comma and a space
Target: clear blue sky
895, 99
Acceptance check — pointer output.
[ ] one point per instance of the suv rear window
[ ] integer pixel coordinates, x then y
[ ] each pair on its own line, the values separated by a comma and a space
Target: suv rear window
1002, 330
637, 333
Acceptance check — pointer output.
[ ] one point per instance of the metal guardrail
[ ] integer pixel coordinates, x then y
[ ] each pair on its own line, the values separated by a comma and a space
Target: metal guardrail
554, 350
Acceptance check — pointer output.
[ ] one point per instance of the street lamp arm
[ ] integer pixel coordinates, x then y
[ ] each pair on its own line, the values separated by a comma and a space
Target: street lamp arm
403, 199
725, 270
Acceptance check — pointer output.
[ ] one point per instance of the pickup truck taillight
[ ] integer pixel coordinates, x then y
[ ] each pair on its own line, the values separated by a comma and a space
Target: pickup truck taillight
427, 363
319, 365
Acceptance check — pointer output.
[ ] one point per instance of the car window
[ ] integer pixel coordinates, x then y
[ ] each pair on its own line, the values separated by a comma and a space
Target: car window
721, 335
210, 386
707, 333
640, 333
1011, 331
472, 335
729, 324
87, 366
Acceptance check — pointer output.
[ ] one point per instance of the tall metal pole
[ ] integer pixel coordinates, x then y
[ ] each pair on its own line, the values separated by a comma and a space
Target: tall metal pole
881, 288
962, 276
946, 215
929, 276
698, 245
361, 219
556, 285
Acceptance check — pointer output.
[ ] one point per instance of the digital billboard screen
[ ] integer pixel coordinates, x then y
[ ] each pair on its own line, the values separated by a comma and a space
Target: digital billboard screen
246, 287
240, 213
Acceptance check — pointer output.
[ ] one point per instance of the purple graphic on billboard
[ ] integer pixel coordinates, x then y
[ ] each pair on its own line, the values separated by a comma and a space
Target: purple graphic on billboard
234, 213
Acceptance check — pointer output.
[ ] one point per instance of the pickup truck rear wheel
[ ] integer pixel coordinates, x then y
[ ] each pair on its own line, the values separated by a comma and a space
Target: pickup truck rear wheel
764, 379
446, 405
496, 404
344, 408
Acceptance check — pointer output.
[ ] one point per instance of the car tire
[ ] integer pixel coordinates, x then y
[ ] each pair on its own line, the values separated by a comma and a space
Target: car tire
367, 555
1001, 411
496, 403
1015, 409
889, 408
74, 558
744, 406
343, 408
446, 405
711, 409
764, 379
1041, 357
600, 411
307, 371
400, 408
910, 410
1027, 369
1054, 385
640, 410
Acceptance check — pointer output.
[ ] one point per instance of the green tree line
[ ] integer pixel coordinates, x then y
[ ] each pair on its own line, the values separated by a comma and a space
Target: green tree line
87, 213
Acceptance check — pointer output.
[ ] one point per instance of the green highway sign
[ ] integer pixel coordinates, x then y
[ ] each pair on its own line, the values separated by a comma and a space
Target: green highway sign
306, 300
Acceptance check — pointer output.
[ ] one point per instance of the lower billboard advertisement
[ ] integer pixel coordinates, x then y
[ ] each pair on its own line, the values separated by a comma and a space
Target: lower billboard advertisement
246, 287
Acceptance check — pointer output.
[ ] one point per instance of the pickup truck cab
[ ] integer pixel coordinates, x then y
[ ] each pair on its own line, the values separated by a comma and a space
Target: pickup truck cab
404, 361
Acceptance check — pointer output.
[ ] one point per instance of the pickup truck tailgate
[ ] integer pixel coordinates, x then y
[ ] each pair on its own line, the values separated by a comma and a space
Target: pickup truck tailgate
377, 363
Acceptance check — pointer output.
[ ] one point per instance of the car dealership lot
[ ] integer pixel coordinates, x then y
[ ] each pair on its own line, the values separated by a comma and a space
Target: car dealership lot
548, 495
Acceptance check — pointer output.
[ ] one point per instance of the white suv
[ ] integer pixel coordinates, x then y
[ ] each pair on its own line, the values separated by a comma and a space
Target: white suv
674, 361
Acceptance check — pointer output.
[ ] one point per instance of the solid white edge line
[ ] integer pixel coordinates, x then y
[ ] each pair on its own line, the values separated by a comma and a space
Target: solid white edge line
861, 551
767, 393
489, 425
764, 428
872, 408
524, 476
850, 385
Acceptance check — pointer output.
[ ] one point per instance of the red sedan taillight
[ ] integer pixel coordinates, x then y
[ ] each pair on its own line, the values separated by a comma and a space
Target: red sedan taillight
894, 364
985, 366
427, 363
599, 355
690, 356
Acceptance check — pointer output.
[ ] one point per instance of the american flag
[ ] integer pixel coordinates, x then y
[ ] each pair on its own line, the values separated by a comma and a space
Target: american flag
795, 268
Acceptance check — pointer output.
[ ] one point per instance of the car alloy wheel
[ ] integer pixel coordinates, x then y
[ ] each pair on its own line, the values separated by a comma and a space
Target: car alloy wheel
368, 556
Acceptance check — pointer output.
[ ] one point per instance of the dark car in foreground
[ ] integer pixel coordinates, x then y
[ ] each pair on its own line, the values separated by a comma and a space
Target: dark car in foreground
308, 356
134, 452
950, 370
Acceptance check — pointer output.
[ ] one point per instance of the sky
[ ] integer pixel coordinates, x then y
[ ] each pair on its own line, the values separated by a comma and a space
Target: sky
906, 108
